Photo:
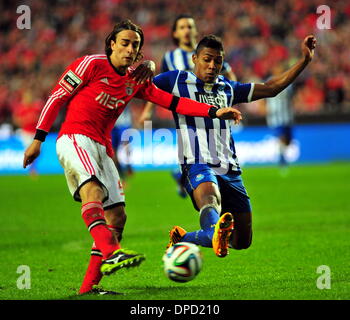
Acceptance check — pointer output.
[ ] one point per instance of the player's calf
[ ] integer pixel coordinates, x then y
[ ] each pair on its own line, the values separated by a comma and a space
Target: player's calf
241, 237
240, 243
116, 219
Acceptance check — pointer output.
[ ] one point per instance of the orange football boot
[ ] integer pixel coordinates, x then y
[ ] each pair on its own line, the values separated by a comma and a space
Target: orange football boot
222, 233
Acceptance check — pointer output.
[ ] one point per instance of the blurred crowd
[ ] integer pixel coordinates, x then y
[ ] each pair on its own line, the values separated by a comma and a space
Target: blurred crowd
258, 35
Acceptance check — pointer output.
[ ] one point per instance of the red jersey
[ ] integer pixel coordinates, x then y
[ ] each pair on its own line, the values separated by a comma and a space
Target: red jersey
96, 95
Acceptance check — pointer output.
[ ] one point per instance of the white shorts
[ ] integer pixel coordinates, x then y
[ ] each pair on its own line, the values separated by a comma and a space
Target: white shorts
84, 160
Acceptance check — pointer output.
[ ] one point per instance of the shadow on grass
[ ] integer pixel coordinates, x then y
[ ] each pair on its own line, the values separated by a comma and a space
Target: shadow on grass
142, 293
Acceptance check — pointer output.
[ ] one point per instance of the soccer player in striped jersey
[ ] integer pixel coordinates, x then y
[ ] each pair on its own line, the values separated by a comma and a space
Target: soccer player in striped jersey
184, 34
95, 90
210, 169
280, 118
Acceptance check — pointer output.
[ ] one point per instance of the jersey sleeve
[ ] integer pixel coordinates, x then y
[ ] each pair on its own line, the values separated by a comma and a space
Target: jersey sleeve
73, 79
166, 80
185, 106
242, 92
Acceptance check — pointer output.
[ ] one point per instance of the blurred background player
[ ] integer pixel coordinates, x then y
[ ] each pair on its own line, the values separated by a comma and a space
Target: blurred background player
122, 149
280, 118
207, 154
25, 116
184, 34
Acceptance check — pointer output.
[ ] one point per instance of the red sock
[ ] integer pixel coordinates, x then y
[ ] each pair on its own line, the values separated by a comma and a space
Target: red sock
93, 215
93, 274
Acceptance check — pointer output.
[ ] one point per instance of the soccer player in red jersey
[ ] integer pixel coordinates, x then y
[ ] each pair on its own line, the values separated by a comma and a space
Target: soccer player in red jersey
96, 90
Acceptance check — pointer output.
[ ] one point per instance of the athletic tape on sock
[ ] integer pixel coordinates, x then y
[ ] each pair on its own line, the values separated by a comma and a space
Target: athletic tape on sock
214, 206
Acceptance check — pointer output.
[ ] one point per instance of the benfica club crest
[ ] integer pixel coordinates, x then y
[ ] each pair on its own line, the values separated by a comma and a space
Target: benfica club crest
129, 87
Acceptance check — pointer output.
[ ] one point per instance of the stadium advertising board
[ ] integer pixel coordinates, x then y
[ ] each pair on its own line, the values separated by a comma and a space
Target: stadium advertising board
156, 149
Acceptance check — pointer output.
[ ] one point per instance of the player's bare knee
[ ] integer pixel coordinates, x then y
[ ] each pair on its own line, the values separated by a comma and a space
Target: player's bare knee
91, 191
207, 193
212, 199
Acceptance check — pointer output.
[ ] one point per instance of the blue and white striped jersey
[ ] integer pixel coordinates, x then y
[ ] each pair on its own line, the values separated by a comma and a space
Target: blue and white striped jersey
205, 140
279, 111
180, 59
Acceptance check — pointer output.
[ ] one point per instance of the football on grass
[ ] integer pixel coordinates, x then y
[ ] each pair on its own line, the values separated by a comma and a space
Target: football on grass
182, 262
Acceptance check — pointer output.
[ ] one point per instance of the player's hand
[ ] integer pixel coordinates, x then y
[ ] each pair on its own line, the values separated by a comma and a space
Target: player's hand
229, 114
31, 153
308, 47
144, 72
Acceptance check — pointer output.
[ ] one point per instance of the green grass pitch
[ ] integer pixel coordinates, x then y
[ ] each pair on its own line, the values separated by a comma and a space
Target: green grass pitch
301, 221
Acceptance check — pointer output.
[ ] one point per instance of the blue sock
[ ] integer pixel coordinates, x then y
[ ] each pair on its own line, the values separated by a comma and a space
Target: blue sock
199, 237
209, 217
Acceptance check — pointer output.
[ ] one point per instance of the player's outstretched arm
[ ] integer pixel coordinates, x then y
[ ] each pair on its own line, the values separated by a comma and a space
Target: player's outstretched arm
184, 106
278, 83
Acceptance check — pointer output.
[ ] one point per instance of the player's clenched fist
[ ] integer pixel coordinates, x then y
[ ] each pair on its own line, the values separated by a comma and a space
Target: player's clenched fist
308, 46
229, 114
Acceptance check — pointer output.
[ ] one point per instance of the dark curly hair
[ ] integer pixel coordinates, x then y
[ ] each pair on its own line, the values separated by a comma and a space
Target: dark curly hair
124, 25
